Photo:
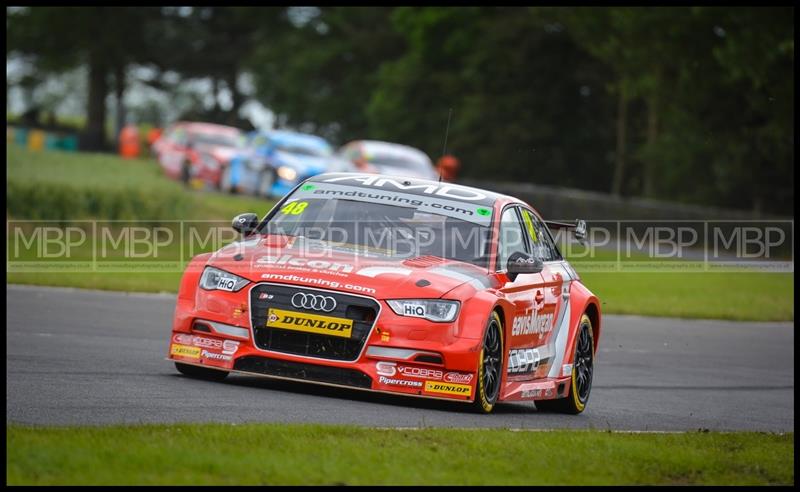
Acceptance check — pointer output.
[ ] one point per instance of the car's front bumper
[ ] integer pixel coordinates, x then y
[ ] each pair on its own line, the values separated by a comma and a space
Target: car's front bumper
381, 368
402, 355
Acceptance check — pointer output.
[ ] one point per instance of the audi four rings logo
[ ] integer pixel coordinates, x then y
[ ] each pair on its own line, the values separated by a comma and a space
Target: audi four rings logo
301, 300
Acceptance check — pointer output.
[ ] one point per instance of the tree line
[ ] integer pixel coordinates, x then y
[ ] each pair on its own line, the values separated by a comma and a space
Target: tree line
694, 104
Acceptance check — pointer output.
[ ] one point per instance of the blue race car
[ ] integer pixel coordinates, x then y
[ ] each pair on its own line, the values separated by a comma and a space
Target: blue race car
273, 162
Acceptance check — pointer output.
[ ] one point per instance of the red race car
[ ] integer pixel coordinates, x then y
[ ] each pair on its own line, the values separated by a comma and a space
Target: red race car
394, 285
199, 151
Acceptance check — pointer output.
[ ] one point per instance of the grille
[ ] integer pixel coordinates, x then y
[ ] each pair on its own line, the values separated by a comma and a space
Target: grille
361, 310
299, 370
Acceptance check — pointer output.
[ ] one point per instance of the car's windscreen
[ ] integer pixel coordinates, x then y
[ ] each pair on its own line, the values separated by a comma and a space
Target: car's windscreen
388, 231
303, 150
257, 141
214, 139
399, 161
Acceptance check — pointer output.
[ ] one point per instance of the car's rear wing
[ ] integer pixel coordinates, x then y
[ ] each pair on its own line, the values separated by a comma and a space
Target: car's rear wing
579, 227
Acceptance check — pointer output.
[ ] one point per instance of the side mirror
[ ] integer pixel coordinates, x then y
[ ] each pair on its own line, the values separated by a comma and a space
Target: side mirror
245, 223
522, 263
580, 230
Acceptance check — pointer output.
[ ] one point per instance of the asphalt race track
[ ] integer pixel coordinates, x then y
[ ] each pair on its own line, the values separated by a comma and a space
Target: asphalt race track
87, 357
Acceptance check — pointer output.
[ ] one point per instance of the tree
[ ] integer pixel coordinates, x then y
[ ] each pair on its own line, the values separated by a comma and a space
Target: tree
59, 38
527, 102
318, 67
639, 44
213, 43
709, 80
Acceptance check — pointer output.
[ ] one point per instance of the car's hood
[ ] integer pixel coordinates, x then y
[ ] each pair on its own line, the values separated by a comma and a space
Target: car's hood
220, 152
290, 260
304, 164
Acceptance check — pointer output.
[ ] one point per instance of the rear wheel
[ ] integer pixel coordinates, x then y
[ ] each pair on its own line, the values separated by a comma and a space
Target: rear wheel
225, 180
490, 366
201, 372
582, 372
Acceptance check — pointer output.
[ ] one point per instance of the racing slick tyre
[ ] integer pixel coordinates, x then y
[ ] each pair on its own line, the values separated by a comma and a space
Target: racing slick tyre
582, 371
201, 372
224, 184
490, 366
186, 173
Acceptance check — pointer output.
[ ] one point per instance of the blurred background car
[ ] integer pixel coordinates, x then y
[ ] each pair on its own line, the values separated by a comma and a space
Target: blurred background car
272, 163
373, 156
249, 171
201, 151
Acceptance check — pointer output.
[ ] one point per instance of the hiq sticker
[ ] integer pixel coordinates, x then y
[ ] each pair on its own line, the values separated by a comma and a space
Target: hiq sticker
414, 310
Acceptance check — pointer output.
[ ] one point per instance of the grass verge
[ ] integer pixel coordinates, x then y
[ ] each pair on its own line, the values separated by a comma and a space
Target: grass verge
276, 454
746, 296
65, 186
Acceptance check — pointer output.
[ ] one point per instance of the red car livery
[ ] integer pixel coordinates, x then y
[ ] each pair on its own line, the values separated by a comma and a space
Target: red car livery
198, 151
395, 285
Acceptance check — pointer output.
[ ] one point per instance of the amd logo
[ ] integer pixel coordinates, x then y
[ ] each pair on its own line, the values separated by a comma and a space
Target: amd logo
447, 191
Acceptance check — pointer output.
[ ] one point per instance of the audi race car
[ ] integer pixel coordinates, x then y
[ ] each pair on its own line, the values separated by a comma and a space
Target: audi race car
394, 285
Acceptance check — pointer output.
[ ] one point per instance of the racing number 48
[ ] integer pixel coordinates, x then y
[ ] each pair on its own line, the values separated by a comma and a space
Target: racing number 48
294, 208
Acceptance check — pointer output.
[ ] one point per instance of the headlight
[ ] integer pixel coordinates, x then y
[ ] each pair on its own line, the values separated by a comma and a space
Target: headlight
287, 173
216, 279
439, 311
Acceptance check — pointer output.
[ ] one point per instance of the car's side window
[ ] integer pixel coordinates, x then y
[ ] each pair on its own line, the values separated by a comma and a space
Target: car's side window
541, 242
179, 136
548, 238
351, 153
512, 237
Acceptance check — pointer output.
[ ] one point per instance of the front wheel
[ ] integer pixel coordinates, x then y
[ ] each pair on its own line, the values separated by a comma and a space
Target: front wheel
201, 372
186, 173
582, 372
490, 366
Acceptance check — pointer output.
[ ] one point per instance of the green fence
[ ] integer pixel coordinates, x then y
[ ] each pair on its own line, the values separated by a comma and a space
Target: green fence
36, 139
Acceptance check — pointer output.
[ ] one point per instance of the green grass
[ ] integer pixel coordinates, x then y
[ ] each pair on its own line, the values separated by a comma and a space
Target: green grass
686, 292
276, 454
84, 169
112, 281
64, 186
746, 296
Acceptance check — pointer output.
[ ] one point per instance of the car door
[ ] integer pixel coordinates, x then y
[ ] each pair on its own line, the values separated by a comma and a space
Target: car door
527, 293
172, 153
553, 316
